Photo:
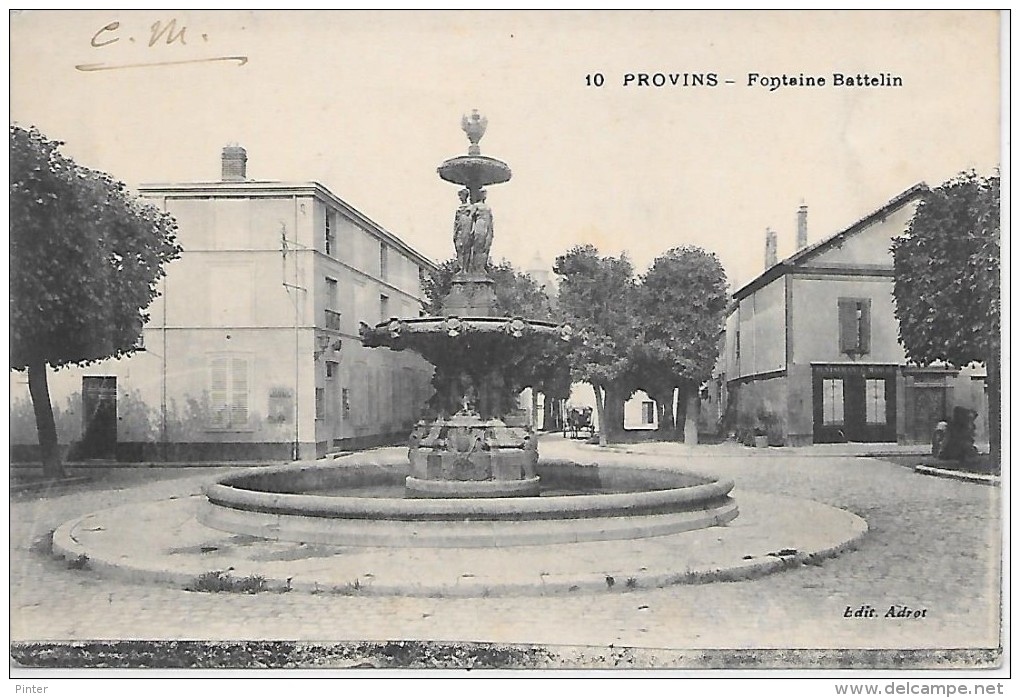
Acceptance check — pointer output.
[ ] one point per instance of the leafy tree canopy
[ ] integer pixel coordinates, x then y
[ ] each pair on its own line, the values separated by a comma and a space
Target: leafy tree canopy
597, 298
683, 303
946, 286
86, 257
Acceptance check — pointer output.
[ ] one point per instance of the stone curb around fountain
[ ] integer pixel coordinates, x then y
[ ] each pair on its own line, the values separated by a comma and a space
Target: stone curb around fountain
131, 543
962, 475
341, 532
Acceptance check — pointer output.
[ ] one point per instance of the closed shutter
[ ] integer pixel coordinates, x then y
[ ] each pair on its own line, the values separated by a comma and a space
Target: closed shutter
218, 394
847, 326
228, 393
239, 393
864, 328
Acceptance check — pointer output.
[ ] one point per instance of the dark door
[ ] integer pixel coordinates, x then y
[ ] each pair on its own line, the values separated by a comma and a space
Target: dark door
853, 408
829, 402
927, 408
869, 407
99, 417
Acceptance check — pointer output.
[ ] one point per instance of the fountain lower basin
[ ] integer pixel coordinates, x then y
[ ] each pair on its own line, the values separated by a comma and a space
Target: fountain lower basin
298, 502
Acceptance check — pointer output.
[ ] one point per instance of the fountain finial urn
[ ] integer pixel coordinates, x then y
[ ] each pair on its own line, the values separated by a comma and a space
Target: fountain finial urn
474, 170
474, 127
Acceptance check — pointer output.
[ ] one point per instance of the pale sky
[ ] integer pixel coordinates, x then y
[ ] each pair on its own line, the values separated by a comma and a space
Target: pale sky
369, 104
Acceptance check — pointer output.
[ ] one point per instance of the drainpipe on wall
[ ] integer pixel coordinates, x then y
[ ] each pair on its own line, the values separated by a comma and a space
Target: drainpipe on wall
296, 451
292, 293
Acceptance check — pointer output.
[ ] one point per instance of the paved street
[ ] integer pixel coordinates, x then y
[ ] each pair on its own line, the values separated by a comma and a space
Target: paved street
933, 544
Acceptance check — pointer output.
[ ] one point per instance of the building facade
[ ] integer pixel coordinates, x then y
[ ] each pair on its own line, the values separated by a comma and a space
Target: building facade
252, 349
811, 349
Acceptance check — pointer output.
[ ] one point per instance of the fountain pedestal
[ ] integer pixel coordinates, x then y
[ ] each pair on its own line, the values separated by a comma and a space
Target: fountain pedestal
467, 456
470, 296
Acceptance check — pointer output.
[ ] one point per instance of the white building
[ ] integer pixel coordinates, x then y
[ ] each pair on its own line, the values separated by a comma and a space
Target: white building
252, 348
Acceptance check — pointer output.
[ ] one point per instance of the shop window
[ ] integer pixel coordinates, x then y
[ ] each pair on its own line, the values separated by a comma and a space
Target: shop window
832, 400
874, 400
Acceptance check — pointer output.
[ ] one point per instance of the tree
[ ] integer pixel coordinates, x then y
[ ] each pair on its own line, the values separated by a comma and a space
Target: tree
946, 285
85, 260
597, 298
683, 300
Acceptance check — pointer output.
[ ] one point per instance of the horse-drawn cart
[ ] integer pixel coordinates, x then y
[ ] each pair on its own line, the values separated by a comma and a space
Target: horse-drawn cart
578, 420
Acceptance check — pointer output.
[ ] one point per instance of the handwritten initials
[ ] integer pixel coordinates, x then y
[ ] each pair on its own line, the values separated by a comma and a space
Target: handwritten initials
158, 30
111, 27
162, 33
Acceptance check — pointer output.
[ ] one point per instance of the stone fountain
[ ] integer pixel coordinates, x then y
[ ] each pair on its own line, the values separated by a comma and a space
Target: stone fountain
477, 446
472, 476
470, 509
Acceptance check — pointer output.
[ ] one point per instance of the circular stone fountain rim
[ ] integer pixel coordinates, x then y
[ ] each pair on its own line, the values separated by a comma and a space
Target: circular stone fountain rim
225, 493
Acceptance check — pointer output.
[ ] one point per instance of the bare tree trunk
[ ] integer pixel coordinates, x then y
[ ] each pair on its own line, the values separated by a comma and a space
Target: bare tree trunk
600, 411
550, 421
613, 413
682, 403
534, 408
691, 419
664, 427
664, 406
49, 449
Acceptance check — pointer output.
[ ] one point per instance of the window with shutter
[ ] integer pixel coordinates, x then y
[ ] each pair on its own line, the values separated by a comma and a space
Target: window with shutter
228, 393
847, 327
218, 395
854, 326
864, 326
238, 393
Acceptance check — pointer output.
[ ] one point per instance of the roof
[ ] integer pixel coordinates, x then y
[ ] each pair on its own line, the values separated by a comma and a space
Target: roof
800, 256
247, 188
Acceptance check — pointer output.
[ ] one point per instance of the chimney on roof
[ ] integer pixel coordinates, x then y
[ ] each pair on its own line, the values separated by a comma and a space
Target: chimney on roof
771, 242
235, 161
802, 227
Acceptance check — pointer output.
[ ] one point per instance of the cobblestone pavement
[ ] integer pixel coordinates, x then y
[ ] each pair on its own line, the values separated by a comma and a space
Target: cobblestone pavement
934, 544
